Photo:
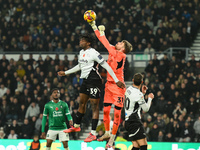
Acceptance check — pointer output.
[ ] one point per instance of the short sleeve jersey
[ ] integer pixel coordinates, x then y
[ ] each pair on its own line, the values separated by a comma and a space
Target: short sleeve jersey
133, 99
88, 62
57, 113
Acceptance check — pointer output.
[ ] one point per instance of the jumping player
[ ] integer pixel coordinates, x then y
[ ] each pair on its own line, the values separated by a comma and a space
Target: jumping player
57, 110
88, 62
134, 102
113, 94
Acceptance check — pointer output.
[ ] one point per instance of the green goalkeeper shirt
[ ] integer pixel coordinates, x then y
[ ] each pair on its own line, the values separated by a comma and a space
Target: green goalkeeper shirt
57, 113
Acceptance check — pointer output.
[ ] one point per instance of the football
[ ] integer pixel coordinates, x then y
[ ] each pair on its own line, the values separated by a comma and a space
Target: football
89, 16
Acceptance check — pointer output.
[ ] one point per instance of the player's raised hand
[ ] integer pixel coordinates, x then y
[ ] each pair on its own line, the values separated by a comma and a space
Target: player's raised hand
120, 84
151, 95
93, 25
144, 89
61, 73
101, 29
43, 136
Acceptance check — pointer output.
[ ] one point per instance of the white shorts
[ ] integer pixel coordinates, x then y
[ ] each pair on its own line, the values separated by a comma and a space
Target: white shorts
52, 135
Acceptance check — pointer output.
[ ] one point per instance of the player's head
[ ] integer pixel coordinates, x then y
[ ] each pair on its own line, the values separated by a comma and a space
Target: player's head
124, 46
86, 41
55, 93
138, 79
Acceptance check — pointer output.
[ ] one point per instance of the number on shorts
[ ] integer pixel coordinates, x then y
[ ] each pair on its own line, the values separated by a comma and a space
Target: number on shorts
120, 100
93, 91
127, 103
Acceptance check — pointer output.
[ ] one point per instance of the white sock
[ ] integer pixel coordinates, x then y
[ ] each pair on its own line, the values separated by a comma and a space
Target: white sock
66, 148
48, 148
113, 137
93, 132
107, 132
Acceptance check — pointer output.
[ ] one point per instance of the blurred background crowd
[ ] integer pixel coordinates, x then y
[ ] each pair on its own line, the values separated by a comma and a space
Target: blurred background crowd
54, 26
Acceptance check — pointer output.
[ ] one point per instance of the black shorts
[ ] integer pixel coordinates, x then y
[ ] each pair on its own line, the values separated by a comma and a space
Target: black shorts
135, 130
91, 87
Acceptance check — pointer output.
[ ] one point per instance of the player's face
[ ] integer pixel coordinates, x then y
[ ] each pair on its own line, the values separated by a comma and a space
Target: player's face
56, 94
83, 44
120, 46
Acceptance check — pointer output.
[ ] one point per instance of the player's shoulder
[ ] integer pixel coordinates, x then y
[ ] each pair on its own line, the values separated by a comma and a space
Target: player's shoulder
48, 103
93, 51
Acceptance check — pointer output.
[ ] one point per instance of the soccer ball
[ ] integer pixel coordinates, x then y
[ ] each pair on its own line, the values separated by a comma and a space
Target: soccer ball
89, 16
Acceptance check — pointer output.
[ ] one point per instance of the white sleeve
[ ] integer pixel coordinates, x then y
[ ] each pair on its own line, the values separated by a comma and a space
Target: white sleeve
110, 71
97, 57
145, 106
72, 70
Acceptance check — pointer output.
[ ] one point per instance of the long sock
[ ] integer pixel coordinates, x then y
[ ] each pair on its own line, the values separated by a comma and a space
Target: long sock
143, 147
135, 148
117, 117
79, 117
48, 148
94, 124
106, 117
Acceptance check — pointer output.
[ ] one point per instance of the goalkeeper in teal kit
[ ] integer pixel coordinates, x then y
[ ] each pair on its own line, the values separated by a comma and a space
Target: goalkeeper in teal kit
56, 109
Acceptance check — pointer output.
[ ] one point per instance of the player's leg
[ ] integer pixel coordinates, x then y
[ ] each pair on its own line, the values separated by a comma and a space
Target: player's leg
142, 143
136, 146
95, 118
64, 138
51, 136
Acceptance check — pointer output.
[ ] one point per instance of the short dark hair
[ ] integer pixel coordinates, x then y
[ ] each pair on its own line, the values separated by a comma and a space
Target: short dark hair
138, 78
127, 46
54, 90
89, 38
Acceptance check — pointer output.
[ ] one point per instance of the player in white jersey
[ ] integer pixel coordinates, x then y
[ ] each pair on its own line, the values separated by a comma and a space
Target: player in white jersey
134, 102
88, 62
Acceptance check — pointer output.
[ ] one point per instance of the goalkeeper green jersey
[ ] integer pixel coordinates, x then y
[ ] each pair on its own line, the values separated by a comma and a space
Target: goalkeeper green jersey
57, 113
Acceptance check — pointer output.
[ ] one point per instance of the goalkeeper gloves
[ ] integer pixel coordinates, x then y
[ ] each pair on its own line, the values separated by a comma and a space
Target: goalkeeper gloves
93, 25
101, 29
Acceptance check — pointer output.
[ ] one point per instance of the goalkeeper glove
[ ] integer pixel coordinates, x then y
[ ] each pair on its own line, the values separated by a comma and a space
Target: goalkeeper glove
101, 29
93, 25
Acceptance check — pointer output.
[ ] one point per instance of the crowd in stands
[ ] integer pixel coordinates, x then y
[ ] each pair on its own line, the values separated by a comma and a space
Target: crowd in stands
55, 25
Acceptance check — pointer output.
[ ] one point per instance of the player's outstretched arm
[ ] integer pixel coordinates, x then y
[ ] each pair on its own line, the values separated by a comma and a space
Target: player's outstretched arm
144, 89
111, 72
146, 105
70, 71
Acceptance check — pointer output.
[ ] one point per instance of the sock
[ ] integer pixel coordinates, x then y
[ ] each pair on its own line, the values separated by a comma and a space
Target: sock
135, 148
106, 117
66, 148
48, 148
79, 117
93, 132
143, 147
107, 132
117, 117
94, 124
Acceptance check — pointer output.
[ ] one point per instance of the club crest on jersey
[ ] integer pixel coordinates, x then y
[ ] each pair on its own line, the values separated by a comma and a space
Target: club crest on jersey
57, 109
61, 106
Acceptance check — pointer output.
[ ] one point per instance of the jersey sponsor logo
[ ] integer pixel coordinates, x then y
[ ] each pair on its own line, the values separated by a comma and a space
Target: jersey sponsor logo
57, 113
100, 57
83, 60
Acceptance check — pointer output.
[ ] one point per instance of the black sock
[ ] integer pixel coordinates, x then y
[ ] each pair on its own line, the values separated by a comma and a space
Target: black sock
134, 148
79, 117
94, 123
143, 147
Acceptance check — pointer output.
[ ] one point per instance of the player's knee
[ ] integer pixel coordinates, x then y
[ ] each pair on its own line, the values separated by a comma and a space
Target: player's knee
117, 113
65, 144
106, 110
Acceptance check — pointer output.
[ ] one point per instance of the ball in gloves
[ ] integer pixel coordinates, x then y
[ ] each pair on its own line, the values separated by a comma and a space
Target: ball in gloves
89, 16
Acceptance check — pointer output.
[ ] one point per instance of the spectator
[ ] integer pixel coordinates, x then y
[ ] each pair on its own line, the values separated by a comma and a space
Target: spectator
196, 128
187, 133
12, 135
33, 110
35, 145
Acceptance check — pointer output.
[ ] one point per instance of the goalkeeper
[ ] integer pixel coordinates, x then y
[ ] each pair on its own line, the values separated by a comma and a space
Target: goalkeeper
113, 94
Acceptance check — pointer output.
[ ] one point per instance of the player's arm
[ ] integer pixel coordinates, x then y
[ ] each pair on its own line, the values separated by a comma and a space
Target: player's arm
67, 113
70, 71
44, 120
146, 105
102, 38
